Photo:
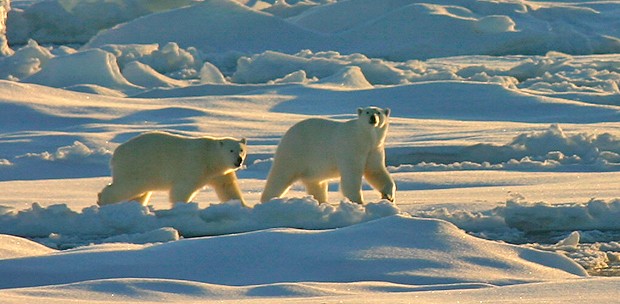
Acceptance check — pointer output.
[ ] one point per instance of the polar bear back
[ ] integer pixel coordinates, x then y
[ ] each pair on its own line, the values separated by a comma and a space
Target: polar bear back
157, 156
313, 146
318, 136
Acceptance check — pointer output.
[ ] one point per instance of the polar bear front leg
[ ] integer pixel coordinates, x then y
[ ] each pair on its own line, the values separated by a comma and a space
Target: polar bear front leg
382, 182
351, 181
227, 187
378, 177
318, 189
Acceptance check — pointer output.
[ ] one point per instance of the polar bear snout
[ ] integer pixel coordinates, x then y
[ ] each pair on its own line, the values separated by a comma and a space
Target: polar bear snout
239, 162
374, 119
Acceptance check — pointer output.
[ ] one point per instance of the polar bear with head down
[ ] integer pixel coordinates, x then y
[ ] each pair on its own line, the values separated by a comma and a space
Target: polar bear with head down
316, 150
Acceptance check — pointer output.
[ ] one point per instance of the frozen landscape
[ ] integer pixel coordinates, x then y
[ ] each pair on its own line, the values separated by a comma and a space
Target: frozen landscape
504, 142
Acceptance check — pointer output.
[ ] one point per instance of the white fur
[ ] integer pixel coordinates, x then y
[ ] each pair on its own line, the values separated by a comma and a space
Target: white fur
316, 150
177, 164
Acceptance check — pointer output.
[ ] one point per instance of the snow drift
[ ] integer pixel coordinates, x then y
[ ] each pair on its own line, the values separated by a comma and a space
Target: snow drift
395, 249
548, 150
107, 74
58, 226
230, 26
499, 28
67, 22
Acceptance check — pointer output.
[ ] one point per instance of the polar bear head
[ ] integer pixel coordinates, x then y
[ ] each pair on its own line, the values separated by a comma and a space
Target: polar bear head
233, 151
374, 116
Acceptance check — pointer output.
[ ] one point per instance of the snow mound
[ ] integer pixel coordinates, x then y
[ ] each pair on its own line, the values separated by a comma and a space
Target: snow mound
585, 232
555, 74
168, 59
296, 77
77, 150
349, 78
599, 258
65, 160
209, 73
394, 249
537, 217
175, 291
593, 215
68, 70
54, 22
494, 24
459, 28
60, 227
552, 149
95, 89
143, 75
24, 62
228, 26
270, 65
167, 290
12, 247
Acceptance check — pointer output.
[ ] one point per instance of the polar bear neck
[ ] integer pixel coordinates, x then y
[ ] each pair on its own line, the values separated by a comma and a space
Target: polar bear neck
377, 134
210, 149
381, 134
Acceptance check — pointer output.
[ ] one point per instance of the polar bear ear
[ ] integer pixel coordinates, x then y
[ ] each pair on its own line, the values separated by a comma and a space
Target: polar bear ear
244, 141
387, 111
359, 111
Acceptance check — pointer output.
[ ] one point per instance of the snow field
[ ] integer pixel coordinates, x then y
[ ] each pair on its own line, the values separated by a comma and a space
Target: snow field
504, 130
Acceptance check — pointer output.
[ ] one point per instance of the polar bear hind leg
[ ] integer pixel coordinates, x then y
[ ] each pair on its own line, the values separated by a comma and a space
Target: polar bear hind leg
143, 198
182, 193
278, 183
118, 192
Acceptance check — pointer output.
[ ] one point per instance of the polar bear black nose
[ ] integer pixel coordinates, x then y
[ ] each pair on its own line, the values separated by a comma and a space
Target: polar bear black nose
239, 161
373, 119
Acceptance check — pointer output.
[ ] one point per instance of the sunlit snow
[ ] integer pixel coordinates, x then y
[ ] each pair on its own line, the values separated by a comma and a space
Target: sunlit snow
504, 143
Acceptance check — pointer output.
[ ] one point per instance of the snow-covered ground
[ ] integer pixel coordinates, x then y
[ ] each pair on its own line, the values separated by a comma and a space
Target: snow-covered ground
504, 143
